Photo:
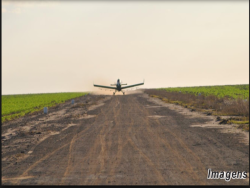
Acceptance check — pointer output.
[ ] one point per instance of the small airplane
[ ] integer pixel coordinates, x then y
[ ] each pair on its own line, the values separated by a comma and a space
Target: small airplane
118, 86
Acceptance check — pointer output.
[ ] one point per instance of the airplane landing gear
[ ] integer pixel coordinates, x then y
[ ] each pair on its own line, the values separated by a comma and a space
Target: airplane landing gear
123, 93
113, 93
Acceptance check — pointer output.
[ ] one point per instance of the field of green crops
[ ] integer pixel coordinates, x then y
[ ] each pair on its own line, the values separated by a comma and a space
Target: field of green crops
18, 105
232, 91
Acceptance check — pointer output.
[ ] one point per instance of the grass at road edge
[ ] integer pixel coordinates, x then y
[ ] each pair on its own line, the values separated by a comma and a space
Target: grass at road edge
238, 119
14, 106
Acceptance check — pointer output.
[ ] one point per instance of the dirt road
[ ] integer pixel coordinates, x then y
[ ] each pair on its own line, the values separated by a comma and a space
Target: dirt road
123, 140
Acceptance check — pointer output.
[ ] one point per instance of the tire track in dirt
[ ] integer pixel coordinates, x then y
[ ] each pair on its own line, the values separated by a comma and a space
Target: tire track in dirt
132, 143
25, 173
127, 140
177, 156
184, 146
120, 147
17, 178
150, 134
202, 167
80, 135
94, 149
119, 152
149, 161
215, 154
146, 158
99, 142
70, 155
103, 153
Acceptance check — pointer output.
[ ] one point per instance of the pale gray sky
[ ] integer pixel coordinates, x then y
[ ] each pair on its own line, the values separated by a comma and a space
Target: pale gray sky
63, 46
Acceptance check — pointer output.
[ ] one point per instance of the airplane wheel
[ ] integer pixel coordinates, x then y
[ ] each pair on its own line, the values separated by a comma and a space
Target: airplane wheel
123, 93
113, 93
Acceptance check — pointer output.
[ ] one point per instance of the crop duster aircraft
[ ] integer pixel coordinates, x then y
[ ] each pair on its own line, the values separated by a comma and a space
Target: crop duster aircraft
119, 86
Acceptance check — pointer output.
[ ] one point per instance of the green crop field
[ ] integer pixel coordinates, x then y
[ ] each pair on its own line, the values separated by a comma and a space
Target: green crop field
18, 105
232, 91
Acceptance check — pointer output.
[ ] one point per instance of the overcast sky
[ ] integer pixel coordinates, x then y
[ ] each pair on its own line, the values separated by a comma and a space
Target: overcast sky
63, 46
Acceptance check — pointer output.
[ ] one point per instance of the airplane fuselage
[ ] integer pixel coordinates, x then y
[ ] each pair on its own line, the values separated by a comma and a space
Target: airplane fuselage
118, 85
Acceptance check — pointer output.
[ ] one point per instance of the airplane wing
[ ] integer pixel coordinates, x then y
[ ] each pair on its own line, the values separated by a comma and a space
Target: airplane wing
125, 87
105, 86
